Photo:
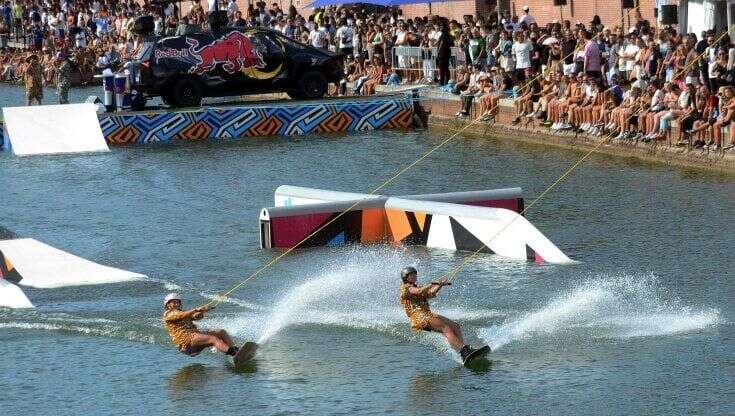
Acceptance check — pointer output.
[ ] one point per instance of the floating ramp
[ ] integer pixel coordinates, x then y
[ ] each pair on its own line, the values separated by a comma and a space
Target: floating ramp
53, 129
29, 262
463, 227
11, 296
509, 198
455, 221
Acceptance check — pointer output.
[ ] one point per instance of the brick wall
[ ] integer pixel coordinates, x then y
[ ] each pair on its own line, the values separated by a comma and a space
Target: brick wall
543, 10
451, 10
583, 10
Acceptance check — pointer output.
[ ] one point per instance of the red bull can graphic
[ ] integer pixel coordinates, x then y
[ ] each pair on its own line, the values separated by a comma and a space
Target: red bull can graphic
235, 51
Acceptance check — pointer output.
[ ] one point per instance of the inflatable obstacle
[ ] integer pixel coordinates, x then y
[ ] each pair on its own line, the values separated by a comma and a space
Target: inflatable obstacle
29, 262
52, 129
487, 219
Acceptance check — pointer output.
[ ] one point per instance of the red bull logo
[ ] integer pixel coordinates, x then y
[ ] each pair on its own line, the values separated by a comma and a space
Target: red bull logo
235, 51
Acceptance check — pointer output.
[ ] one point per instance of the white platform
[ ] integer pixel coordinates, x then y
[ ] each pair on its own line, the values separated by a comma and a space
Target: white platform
12, 297
52, 129
43, 266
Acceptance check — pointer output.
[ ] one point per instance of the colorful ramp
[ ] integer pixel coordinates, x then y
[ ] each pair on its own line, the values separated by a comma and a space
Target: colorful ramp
463, 227
509, 198
53, 129
455, 220
29, 262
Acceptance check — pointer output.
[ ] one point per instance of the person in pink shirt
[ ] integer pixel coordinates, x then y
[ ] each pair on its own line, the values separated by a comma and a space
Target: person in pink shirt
591, 57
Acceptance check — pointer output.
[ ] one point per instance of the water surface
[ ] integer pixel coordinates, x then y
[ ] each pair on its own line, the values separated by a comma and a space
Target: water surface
641, 325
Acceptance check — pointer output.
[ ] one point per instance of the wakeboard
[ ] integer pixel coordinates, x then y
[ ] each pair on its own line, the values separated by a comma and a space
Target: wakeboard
245, 353
476, 355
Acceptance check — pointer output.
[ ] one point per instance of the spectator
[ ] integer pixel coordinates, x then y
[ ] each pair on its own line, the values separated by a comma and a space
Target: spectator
33, 80
444, 52
522, 52
526, 18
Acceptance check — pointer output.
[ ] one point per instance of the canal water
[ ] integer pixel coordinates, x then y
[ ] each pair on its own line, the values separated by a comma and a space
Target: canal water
642, 324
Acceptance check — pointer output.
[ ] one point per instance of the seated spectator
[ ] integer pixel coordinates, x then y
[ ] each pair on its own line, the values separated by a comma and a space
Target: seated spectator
379, 71
462, 81
727, 110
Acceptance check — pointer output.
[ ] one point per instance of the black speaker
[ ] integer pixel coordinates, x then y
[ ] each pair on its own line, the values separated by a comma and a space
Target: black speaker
143, 25
628, 4
218, 19
669, 14
560, 2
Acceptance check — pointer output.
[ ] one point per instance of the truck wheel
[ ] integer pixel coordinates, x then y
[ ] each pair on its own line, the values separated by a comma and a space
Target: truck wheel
295, 94
312, 85
186, 93
138, 103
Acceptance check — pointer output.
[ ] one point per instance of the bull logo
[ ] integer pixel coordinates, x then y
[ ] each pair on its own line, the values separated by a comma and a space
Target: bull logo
235, 51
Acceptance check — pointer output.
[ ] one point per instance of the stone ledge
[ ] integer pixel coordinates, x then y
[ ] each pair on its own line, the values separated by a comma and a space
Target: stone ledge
657, 152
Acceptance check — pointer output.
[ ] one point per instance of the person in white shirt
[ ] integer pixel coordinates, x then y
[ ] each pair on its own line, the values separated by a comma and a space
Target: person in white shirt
81, 39
158, 24
344, 36
232, 9
526, 18
318, 38
628, 55
522, 49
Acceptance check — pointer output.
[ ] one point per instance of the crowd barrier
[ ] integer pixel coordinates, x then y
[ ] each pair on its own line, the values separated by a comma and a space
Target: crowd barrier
416, 59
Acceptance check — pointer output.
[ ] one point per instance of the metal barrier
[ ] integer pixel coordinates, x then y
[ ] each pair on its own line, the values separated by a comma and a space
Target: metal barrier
412, 59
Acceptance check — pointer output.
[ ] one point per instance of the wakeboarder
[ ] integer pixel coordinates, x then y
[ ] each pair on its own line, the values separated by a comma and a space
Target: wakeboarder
415, 298
184, 333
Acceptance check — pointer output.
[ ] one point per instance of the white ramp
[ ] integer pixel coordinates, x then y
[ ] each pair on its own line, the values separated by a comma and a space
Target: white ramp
40, 265
12, 297
504, 232
51, 129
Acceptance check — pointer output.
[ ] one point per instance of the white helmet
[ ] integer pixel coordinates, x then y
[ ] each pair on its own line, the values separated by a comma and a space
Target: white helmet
170, 297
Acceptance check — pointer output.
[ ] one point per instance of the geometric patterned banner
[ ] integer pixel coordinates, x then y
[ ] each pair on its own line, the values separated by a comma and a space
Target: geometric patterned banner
213, 123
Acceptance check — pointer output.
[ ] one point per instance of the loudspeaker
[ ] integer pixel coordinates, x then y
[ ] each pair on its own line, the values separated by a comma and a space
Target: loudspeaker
628, 4
669, 14
560, 2
218, 19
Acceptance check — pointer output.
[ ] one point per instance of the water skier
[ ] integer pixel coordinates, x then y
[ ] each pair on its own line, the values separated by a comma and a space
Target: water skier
185, 335
414, 299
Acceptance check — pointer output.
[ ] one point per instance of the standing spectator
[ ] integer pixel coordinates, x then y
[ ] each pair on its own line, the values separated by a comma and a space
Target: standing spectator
504, 51
63, 77
38, 37
477, 49
591, 57
526, 17
318, 38
522, 51
628, 55
232, 9
18, 11
376, 41
344, 36
239, 22
443, 54
33, 79
7, 12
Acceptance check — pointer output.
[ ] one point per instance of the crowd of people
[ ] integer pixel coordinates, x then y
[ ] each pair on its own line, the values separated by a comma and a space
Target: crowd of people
586, 77
604, 81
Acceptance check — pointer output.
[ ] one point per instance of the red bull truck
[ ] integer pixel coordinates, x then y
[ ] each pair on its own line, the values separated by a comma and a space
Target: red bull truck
233, 62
